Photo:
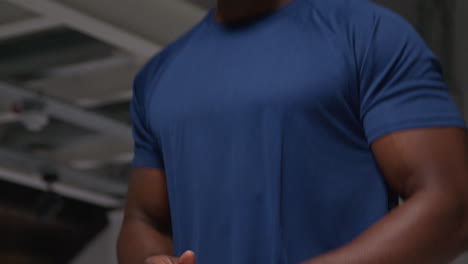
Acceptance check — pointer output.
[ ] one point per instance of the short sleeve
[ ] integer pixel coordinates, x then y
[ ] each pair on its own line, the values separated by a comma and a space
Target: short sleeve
147, 153
401, 83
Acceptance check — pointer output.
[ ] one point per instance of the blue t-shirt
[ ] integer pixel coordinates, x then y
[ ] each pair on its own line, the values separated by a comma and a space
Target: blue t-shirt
264, 129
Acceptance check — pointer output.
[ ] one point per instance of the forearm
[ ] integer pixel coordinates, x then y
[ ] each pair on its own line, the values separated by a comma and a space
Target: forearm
139, 240
430, 228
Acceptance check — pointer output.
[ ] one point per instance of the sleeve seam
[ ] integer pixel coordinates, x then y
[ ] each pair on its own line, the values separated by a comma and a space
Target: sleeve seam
414, 123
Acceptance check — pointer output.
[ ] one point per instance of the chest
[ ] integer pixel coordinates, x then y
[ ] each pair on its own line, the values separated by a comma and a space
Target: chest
219, 77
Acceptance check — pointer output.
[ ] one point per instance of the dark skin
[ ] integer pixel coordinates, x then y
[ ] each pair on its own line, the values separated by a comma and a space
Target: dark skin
427, 167
145, 235
237, 11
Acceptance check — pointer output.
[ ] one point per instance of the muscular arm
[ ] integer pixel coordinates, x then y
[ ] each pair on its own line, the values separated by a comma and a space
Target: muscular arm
429, 169
146, 229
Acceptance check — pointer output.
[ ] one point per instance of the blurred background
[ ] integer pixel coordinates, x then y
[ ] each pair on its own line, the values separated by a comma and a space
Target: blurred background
66, 69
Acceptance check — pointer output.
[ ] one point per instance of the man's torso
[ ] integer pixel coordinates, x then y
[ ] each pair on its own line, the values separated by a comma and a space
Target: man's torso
260, 132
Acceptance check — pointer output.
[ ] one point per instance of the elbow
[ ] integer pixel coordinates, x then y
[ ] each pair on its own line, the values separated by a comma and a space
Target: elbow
119, 246
463, 220
455, 208
123, 242
448, 210
459, 214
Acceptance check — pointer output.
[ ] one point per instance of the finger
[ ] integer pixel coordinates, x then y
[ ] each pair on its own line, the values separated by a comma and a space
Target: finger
187, 258
161, 260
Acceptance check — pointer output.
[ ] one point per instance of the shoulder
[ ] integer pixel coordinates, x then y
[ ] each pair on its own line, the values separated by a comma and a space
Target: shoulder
155, 65
162, 58
365, 27
159, 60
360, 15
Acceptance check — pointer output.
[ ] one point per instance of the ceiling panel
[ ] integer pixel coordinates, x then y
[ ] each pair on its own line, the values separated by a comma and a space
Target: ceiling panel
95, 84
25, 56
11, 13
160, 21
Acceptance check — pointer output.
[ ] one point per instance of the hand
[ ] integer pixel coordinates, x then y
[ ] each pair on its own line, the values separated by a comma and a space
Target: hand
186, 258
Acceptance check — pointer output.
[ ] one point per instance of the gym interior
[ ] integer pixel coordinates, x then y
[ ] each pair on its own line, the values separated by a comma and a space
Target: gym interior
66, 73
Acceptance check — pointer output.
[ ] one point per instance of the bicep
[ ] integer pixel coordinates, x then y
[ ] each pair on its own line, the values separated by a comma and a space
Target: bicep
428, 158
147, 198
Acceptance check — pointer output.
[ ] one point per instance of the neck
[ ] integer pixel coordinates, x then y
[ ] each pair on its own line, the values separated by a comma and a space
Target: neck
233, 11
